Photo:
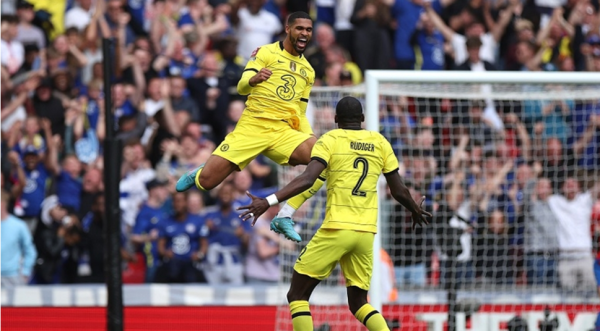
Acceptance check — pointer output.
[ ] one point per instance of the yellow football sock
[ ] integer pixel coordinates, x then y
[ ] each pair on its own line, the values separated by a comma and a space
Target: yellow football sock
371, 318
301, 318
197, 181
297, 201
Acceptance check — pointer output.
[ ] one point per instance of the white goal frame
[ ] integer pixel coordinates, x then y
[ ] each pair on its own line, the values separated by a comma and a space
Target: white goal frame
373, 79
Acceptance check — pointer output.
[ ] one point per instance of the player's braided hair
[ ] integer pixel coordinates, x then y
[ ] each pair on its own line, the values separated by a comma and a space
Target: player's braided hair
296, 15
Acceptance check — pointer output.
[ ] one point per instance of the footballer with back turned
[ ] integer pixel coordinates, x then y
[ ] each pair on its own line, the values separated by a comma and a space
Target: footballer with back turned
354, 158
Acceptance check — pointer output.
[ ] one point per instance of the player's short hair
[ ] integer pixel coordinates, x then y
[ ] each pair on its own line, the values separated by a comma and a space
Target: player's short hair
349, 109
296, 15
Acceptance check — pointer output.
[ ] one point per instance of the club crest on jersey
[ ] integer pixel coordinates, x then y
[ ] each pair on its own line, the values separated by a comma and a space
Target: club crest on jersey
303, 72
253, 55
292, 65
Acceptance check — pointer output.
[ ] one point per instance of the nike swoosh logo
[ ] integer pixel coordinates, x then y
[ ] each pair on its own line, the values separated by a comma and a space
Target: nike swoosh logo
280, 61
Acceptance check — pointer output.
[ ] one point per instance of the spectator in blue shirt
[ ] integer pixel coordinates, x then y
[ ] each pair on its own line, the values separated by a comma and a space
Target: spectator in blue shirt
147, 224
179, 244
228, 237
586, 129
68, 176
115, 18
18, 251
554, 114
35, 178
430, 43
139, 21
31, 136
407, 14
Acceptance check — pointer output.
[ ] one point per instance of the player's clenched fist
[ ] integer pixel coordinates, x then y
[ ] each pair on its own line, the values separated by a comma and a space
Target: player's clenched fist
260, 77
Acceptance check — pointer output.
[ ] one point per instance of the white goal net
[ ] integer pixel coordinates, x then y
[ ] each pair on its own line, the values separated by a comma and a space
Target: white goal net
509, 172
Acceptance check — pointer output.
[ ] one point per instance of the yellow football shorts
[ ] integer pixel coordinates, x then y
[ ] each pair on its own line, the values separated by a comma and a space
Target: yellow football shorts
252, 136
352, 249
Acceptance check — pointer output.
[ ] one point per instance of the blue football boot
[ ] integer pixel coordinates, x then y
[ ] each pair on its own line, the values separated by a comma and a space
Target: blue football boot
285, 226
188, 180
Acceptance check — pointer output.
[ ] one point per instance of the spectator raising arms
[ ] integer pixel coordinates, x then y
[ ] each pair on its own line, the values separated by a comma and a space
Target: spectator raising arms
573, 209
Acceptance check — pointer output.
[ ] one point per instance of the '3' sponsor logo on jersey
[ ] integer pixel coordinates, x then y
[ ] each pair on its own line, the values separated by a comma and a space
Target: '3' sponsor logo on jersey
286, 91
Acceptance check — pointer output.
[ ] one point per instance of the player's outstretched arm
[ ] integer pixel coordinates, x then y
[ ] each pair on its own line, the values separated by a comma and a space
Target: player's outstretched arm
295, 187
401, 194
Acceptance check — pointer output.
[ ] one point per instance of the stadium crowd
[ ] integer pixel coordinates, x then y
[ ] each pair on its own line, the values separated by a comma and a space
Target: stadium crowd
511, 184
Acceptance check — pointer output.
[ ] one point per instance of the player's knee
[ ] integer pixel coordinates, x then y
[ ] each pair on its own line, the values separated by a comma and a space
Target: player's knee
356, 299
294, 295
355, 304
207, 181
302, 153
291, 296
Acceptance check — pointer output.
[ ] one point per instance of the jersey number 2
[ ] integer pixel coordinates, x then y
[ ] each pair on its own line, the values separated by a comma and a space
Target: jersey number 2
365, 171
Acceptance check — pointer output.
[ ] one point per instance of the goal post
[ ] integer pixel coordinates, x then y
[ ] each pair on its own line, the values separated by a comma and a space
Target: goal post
374, 78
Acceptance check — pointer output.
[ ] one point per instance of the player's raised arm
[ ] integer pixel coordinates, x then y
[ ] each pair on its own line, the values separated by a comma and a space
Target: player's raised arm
401, 194
256, 72
295, 187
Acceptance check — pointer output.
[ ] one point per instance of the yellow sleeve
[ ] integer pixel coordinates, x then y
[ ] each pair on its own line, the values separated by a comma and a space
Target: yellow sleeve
306, 95
390, 162
258, 60
322, 149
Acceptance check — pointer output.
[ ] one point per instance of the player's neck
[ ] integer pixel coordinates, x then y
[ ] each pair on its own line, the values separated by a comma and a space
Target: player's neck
350, 126
287, 45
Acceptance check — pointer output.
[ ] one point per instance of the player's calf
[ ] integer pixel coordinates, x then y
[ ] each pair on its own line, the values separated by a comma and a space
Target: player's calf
357, 298
301, 288
214, 172
363, 311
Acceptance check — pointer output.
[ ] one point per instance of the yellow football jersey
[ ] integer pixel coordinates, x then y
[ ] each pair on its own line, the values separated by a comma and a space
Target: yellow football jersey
284, 95
354, 159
